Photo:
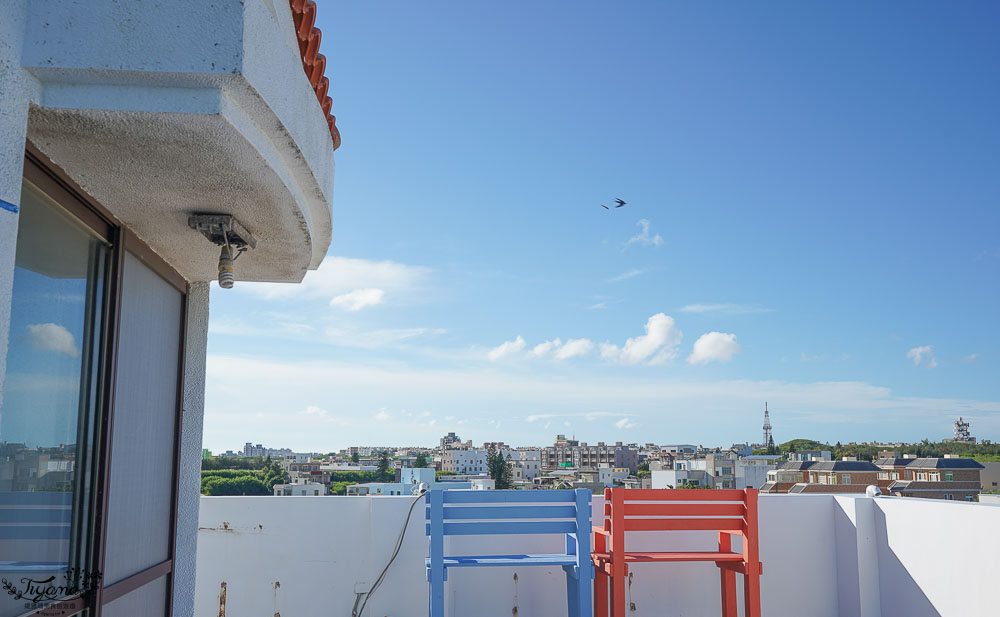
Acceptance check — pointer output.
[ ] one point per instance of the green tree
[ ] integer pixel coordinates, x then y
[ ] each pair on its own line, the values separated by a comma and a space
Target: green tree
384, 466
499, 468
421, 461
355, 457
241, 485
771, 448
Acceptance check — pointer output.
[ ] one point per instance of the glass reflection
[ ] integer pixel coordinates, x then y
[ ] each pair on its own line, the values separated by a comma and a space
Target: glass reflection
50, 398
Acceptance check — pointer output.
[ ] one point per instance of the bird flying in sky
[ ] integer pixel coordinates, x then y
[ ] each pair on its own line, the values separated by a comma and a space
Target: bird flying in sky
605, 207
620, 203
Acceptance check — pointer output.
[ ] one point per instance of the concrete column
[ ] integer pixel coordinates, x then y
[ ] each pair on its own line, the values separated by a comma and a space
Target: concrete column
868, 574
13, 129
189, 482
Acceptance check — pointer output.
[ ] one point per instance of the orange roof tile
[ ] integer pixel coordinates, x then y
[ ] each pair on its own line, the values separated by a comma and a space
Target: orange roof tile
313, 62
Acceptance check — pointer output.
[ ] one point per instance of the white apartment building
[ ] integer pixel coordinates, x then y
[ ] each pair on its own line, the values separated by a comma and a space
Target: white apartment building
307, 489
464, 461
675, 478
526, 464
751, 472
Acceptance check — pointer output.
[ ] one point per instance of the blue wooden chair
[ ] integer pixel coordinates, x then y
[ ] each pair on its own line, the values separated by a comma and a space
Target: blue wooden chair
486, 513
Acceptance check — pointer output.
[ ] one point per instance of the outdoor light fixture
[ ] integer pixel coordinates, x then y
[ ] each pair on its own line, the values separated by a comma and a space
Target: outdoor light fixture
225, 231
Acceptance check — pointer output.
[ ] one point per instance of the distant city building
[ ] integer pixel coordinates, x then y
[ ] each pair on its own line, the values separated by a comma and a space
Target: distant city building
950, 478
810, 455
310, 489
524, 463
962, 433
844, 476
249, 449
682, 448
676, 478
410, 480
581, 455
449, 439
989, 477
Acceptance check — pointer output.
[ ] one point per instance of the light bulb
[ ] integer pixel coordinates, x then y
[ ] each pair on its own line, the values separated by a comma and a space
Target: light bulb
226, 275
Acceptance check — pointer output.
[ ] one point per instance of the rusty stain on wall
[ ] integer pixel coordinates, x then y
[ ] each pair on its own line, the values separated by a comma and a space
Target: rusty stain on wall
222, 600
275, 587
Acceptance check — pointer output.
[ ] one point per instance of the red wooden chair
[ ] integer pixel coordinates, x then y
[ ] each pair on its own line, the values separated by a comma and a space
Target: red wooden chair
728, 512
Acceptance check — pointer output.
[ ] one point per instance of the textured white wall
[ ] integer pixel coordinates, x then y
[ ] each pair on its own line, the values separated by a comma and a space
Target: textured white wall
193, 411
14, 99
317, 548
161, 109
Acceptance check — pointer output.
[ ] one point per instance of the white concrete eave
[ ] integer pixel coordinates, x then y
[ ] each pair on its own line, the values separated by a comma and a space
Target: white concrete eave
160, 111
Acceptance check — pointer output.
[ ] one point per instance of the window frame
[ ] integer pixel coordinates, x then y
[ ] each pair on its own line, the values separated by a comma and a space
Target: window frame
51, 180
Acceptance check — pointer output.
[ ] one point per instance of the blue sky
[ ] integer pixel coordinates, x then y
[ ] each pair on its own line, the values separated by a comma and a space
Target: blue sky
813, 189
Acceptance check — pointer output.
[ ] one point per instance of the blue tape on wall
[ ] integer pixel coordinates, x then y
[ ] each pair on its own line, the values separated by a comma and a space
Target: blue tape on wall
8, 207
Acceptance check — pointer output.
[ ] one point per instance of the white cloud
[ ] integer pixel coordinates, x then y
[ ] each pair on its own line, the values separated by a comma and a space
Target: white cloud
382, 415
372, 339
624, 276
923, 356
543, 349
625, 423
340, 275
598, 306
659, 342
726, 309
52, 337
574, 347
358, 299
507, 348
714, 347
238, 387
643, 237
969, 359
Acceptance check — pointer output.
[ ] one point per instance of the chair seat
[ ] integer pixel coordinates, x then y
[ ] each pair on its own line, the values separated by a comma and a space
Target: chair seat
601, 558
457, 561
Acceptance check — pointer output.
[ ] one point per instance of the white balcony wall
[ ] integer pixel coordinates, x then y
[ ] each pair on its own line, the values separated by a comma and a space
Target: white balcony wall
301, 556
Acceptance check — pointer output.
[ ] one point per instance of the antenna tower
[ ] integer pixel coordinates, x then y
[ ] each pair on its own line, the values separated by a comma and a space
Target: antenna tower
767, 426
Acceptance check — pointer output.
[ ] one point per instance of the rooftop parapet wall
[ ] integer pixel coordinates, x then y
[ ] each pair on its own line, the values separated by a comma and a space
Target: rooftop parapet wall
829, 554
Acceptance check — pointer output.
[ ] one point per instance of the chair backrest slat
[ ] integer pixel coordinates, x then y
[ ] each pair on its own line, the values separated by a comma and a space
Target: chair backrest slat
509, 496
685, 509
683, 494
679, 510
685, 524
482, 528
507, 512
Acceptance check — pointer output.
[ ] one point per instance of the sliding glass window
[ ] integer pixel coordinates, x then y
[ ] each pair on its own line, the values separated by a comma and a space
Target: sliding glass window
50, 402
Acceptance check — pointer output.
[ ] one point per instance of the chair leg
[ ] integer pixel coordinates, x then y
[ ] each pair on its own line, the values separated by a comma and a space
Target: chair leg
751, 592
600, 594
584, 595
617, 600
728, 592
572, 597
727, 578
436, 597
